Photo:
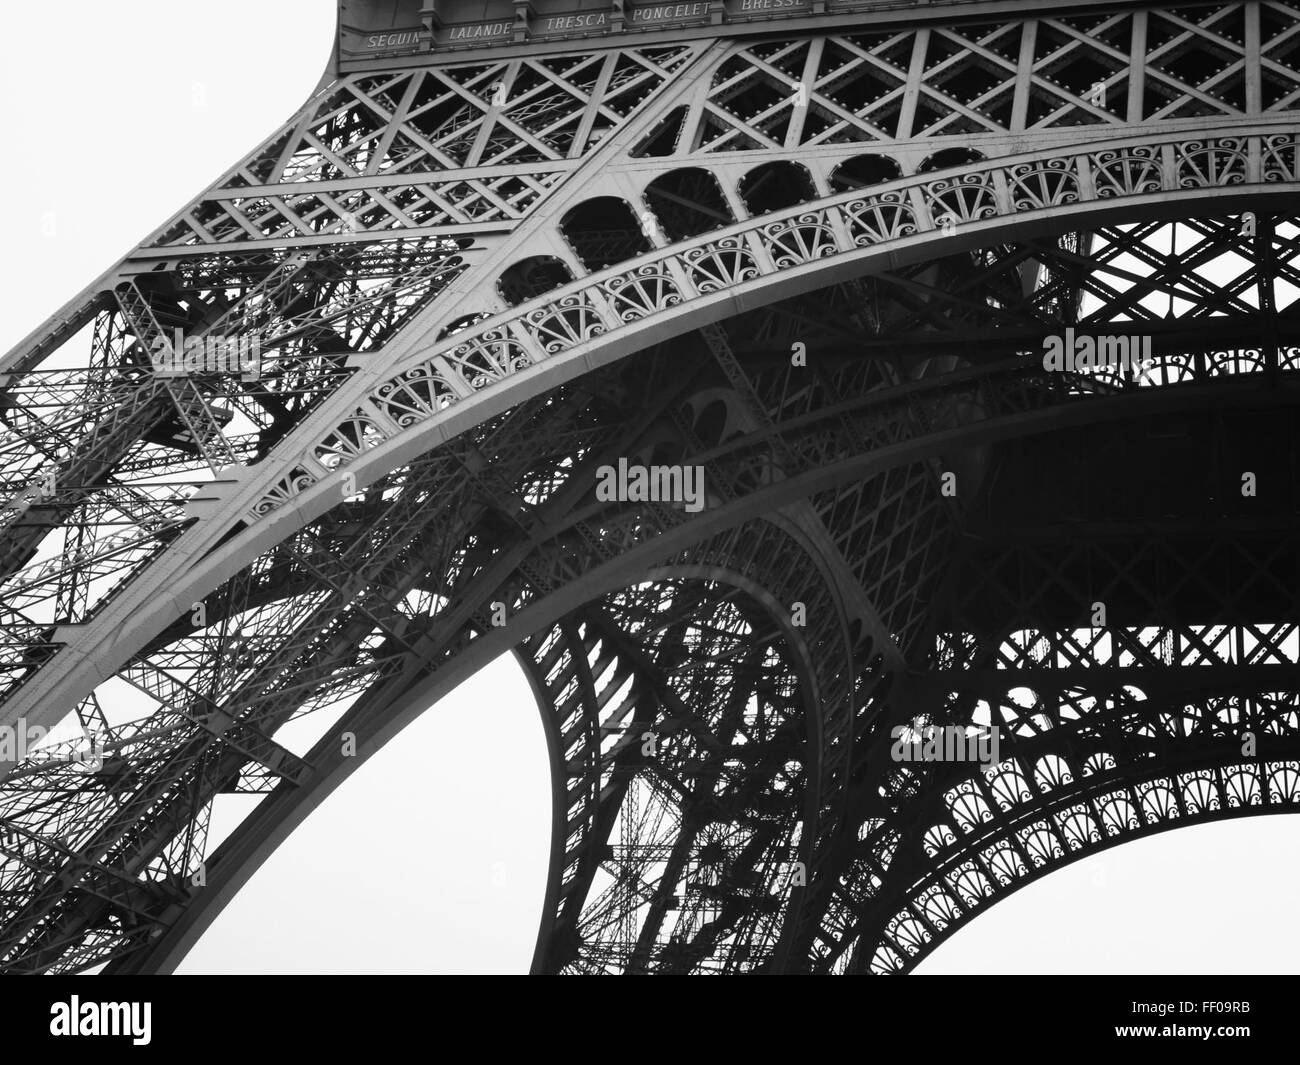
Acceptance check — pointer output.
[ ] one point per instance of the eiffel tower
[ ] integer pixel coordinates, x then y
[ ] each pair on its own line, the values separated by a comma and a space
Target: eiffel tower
333, 437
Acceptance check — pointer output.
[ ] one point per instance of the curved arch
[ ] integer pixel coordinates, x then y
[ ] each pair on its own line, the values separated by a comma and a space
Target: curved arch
950, 158
1072, 858
574, 862
888, 959
584, 320
688, 203
526, 279
776, 186
616, 574
609, 315
270, 823
368, 425
974, 832
863, 172
603, 231
459, 325
713, 418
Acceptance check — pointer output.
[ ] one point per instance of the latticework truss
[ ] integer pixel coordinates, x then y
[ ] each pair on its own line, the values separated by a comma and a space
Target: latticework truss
820, 267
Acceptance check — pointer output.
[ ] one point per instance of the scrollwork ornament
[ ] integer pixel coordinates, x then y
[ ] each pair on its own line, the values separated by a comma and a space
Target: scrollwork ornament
642, 292
414, 395
794, 241
720, 264
968, 198
1203, 164
1282, 157
1127, 171
875, 219
294, 483
1051, 183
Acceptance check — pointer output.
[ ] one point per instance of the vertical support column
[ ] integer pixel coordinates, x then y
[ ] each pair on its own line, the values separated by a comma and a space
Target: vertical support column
1264, 257
1254, 61
729, 181
1024, 74
430, 22
1137, 67
522, 24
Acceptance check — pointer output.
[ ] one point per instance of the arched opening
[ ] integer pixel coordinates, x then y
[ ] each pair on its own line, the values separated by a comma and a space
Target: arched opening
712, 421
459, 325
532, 277
604, 231
687, 203
863, 171
1113, 929
949, 158
469, 902
776, 187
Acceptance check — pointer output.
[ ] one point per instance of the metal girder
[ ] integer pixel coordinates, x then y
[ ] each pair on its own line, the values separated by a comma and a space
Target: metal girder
416, 449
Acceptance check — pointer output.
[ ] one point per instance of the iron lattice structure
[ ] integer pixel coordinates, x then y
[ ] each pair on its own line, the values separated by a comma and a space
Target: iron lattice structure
480, 269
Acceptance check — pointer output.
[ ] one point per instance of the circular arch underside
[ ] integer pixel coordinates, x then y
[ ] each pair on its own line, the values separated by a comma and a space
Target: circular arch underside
942, 906
467, 380
825, 487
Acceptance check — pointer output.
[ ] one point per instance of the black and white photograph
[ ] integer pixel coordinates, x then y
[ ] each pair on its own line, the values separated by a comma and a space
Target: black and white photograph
608, 487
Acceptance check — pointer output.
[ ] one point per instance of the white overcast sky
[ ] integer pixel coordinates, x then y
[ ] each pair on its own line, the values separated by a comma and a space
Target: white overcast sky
432, 857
